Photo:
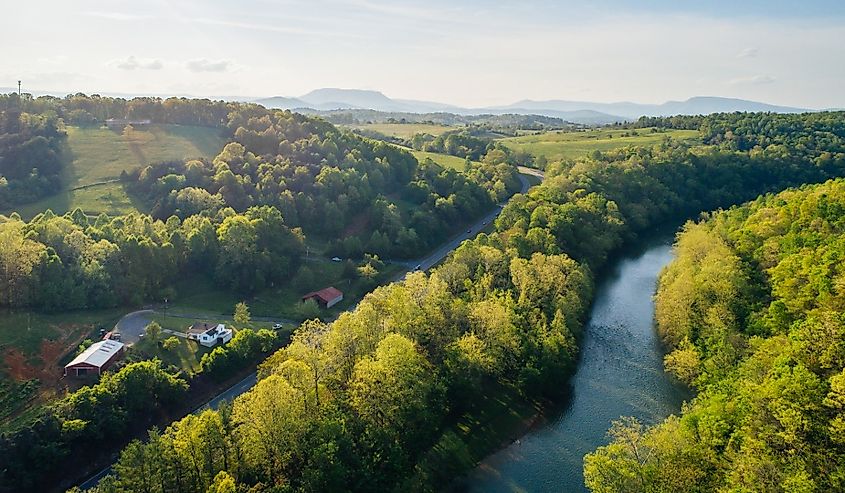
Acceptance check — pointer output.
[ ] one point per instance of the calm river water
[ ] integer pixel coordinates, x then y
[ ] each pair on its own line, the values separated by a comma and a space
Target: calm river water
620, 373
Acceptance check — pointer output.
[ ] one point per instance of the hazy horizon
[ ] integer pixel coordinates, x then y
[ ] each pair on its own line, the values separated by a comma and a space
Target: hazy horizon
474, 54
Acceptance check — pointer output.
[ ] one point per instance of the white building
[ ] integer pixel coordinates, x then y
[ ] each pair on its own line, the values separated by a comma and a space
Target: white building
210, 337
97, 357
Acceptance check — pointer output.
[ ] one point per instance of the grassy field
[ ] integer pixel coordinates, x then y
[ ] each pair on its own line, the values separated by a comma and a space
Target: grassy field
404, 130
445, 160
202, 294
558, 146
187, 355
98, 156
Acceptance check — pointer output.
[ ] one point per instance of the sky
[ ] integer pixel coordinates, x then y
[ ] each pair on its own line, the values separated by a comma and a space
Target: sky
469, 53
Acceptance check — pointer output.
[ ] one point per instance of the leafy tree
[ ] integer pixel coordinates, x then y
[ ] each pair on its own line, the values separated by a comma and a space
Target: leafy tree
171, 343
153, 331
241, 316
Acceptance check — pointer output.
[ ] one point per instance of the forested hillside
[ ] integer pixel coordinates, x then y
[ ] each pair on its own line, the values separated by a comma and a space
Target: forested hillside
241, 216
821, 134
84, 110
69, 262
363, 195
31, 163
373, 401
752, 310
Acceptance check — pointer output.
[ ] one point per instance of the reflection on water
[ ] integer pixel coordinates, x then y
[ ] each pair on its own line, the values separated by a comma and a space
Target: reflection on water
620, 373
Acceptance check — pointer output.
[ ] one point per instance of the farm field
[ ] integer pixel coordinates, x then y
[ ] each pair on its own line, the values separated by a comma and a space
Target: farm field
404, 130
556, 146
99, 155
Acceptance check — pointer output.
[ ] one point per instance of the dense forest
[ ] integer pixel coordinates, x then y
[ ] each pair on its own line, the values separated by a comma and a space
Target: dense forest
366, 402
81, 109
821, 135
360, 195
242, 216
752, 310
70, 262
363, 195
31, 156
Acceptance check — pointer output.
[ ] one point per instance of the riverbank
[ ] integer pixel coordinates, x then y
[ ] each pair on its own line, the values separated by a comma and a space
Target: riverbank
495, 422
619, 373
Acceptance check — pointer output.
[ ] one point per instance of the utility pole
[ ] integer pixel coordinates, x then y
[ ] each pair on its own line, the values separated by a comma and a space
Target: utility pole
19, 88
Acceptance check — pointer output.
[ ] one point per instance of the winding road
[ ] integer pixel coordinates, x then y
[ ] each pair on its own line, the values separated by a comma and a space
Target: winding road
129, 324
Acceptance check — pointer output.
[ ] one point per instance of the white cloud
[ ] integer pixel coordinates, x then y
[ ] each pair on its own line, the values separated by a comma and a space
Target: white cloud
750, 52
117, 16
133, 63
273, 28
206, 65
753, 80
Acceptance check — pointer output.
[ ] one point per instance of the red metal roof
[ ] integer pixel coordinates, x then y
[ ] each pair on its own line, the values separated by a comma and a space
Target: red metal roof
326, 295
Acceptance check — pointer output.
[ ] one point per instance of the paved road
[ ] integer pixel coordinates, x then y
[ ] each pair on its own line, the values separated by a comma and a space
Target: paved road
444, 250
425, 263
131, 326
230, 393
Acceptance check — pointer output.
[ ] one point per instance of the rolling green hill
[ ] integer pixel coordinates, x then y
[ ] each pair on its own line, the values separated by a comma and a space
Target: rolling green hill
98, 156
568, 145
445, 160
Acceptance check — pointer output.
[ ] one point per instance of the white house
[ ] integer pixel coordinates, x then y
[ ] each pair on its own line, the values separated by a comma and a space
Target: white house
210, 337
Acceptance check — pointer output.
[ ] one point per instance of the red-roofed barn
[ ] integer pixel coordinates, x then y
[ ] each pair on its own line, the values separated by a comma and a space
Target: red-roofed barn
326, 298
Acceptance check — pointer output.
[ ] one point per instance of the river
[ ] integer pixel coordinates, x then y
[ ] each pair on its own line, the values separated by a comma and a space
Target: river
620, 373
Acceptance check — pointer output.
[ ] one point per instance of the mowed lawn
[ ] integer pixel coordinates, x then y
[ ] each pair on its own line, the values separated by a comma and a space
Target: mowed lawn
99, 155
405, 130
201, 294
557, 146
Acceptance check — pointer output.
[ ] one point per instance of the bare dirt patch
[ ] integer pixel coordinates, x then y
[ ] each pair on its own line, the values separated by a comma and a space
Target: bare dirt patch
17, 366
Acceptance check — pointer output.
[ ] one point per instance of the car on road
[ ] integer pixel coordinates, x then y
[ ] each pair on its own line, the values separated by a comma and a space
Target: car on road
484, 223
469, 231
418, 267
337, 259
277, 326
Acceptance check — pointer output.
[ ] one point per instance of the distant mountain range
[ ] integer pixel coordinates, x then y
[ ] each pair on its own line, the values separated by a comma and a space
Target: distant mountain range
584, 112
575, 111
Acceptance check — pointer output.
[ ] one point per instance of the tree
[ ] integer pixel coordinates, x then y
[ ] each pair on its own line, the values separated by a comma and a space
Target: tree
242, 316
271, 419
171, 343
396, 392
223, 483
308, 309
153, 332
19, 257
308, 347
